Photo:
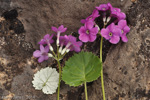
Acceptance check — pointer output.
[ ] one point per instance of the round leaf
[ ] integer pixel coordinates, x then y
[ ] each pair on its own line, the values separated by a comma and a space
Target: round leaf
80, 68
46, 80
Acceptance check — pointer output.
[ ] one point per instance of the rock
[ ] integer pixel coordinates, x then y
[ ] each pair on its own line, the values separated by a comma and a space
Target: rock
5, 6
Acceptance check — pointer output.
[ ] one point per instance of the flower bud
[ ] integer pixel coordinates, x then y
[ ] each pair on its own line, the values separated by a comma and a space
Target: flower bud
108, 19
97, 27
57, 42
104, 19
60, 49
67, 50
50, 55
51, 48
63, 51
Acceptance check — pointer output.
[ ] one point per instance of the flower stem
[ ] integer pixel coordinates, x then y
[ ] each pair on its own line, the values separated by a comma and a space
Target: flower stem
58, 92
102, 80
85, 87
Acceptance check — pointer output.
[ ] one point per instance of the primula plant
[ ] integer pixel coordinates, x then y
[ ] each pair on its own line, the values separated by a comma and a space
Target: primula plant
109, 23
106, 21
47, 79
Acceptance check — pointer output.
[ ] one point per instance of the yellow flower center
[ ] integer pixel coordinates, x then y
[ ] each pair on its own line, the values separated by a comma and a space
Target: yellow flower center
122, 31
87, 32
103, 8
90, 18
110, 34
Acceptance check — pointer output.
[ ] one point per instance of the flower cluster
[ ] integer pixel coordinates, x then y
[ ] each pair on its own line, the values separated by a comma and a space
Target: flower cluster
64, 45
107, 20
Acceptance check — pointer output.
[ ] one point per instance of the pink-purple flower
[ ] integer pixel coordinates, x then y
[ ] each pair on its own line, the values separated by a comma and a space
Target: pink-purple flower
63, 41
88, 32
111, 33
105, 15
92, 17
103, 7
60, 29
122, 24
116, 12
112, 9
47, 39
71, 43
41, 54
74, 45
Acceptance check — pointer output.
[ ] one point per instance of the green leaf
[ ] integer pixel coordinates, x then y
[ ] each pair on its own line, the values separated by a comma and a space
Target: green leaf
80, 68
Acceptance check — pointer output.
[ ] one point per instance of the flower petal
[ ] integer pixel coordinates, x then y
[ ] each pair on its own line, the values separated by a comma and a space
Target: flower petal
109, 5
42, 42
72, 38
92, 38
121, 15
79, 43
46, 49
111, 26
126, 29
61, 27
103, 7
124, 38
54, 29
122, 23
105, 33
84, 37
41, 59
46, 57
51, 41
95, 13
89, 25
82, 30
64, 30
116, 9
116, 31
94, 31
77, 49
51, 36
42, 48
83, 21
47, 36
114, 39
37, 53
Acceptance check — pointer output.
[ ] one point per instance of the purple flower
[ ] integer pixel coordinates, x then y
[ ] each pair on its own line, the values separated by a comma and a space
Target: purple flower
88, 32
42, 54
47, 39
91, 17
116, 12
111, 33
72, 43
122, 24
103, 7
113, 9
121, 16
60, 29
63, 42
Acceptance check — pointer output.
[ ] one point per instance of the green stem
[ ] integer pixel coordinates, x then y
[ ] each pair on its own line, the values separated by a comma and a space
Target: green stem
54, 53
85, 87
58, 92
102, 80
